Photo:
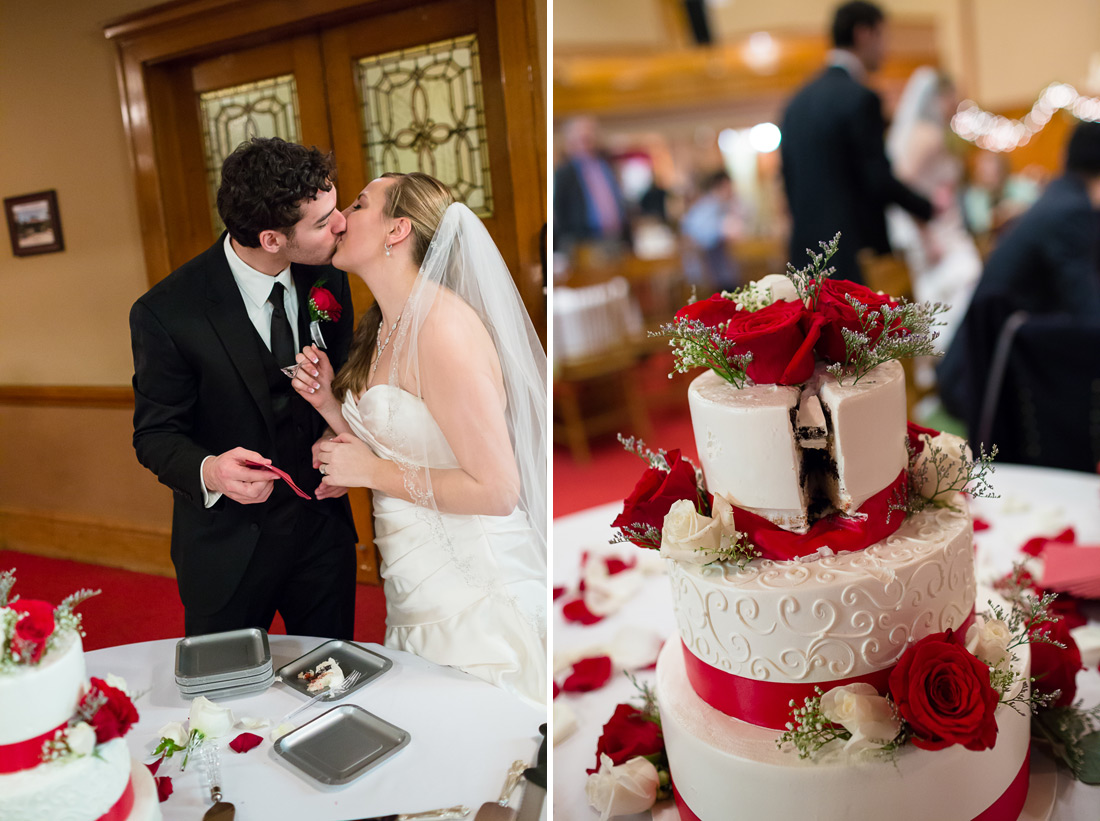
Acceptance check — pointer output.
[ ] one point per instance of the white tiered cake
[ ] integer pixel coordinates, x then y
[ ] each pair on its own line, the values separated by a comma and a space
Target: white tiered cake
82, 778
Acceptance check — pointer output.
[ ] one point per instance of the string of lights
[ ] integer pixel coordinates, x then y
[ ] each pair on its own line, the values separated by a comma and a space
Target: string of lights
996, 133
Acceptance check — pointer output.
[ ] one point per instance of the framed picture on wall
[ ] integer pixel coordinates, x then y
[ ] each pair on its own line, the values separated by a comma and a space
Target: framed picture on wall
34, 223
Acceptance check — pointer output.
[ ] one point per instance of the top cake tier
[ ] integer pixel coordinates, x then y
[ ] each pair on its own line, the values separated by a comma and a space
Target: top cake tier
795, 453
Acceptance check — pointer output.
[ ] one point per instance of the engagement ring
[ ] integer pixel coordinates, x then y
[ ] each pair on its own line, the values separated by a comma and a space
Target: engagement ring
323, 471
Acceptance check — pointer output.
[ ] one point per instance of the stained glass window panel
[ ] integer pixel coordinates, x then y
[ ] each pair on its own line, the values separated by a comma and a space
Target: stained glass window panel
231, 116
422, 110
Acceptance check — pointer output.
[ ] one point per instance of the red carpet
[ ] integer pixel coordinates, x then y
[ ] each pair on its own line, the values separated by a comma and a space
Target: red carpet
139, 607
613, 472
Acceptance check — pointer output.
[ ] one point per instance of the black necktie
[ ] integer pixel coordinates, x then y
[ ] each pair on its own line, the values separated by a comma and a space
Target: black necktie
282, 337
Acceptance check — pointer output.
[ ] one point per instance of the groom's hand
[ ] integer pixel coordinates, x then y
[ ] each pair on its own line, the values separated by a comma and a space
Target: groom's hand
227, 474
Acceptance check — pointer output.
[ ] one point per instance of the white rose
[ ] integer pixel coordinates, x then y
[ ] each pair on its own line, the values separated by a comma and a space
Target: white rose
174, 732
988, 639
781, 287
955, 450
862, 712
210, 719
688, 536
81, 738
249, 723
119, 683
624, 789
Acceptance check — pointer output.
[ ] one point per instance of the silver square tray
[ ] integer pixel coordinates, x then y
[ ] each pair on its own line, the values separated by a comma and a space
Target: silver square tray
251, 678
340, 745
215, 693
220, 656
349, 655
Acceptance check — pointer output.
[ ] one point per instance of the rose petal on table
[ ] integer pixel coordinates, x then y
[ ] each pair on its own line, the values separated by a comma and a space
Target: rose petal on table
1034, 547
588, 674
557, 689
576, 611
245, 742
617, 565
980, 525
155, 765
249, 723
565, 722
635, 647
281, 730
559, 591
164, 787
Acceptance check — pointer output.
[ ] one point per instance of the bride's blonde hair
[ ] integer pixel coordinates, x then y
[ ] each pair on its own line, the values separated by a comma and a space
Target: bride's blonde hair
422, 200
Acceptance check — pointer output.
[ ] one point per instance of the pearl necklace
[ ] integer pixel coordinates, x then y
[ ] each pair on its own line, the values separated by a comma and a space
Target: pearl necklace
380, 346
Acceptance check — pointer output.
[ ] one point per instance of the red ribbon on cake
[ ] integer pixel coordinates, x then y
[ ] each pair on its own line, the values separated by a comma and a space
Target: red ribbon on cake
1006, 808
873, 523
121, 809
768, 703
24, 755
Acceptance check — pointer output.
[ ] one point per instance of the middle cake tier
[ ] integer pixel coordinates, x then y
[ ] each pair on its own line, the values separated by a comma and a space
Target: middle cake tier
760, 636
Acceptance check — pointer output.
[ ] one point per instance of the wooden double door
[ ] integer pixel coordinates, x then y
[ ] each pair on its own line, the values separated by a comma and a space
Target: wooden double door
450, 87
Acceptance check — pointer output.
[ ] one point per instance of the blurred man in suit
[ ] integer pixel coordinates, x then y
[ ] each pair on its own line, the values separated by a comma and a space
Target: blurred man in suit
209, 343
835, 170
588, 202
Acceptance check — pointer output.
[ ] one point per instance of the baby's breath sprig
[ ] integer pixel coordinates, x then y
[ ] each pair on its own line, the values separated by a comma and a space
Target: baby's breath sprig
807, 281
641, 535
953, 473
751, 297
7, 582
738, 552
887, 333
637, 446
64, 617
695, 345
809, 730
1027, 611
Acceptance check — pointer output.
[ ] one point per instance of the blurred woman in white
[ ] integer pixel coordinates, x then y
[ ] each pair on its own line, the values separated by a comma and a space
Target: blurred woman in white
943, 260
441, 411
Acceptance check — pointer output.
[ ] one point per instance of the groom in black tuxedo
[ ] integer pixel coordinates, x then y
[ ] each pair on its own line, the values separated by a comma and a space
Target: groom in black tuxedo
835, 170
209, 342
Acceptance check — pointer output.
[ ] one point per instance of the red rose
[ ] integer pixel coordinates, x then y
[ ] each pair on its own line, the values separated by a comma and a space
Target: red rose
115, 714
325, 303
245, 742
838, 313
781, 338
943, 692
914, 432
588, 674
711, 312
628, 734
1055, 668
33, 629
656, 492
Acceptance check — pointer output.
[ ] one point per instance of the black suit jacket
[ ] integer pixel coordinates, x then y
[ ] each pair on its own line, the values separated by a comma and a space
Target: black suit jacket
199, 390
572, 221
836, 174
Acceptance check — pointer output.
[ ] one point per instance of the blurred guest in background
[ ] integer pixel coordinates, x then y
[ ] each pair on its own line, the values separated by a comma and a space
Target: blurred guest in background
588, 201
944, 265
835, 170
1045, 264
711, 224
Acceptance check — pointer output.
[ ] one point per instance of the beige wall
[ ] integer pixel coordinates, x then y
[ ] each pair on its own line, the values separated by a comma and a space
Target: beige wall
64, 316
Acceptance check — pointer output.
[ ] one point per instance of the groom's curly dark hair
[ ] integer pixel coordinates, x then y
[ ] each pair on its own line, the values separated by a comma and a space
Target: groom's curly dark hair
264, 183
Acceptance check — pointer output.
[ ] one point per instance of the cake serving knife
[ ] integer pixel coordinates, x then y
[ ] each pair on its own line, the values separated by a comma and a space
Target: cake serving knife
210, 764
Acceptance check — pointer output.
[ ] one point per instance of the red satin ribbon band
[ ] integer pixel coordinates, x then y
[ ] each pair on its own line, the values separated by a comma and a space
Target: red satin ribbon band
874, 522
768, 703
1005, 808
121, 809
23, 755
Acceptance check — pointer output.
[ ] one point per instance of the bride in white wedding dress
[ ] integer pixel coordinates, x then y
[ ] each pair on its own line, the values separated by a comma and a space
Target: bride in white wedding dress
441, 411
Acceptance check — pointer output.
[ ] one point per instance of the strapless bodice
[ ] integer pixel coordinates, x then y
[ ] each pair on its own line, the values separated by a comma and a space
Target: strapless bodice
398, 426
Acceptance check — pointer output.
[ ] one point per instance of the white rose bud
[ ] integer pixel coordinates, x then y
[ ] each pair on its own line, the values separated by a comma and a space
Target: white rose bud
687, 536
119, 683
624, 789
955, 450
862, 712
209, 718
781, 287
174, 732
81, 738
988, 639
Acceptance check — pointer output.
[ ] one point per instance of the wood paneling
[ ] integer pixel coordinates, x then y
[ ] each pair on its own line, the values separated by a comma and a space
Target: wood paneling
67, 396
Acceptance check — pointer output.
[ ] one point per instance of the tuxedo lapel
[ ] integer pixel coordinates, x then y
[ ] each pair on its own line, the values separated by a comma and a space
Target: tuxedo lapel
227, 314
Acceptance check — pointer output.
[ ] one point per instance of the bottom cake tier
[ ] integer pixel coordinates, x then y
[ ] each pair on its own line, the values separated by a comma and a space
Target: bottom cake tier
723, 768
107, 785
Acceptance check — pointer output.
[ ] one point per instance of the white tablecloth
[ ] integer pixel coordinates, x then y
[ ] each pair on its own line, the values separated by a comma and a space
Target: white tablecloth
464, 736
1033, 502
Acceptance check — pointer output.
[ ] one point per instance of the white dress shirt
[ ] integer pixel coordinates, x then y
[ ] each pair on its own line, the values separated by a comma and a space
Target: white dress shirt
847, 61
255, 288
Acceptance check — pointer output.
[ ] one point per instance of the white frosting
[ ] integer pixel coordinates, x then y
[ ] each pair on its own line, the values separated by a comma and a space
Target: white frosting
719, 763
35, 699
78, 789
834, 617
746, 445
869, 430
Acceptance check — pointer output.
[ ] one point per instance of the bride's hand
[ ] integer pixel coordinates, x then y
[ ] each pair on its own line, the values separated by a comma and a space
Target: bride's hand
347, 461
313, 379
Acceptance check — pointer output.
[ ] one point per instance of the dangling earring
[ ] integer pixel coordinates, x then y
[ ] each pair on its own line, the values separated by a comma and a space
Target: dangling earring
388, 246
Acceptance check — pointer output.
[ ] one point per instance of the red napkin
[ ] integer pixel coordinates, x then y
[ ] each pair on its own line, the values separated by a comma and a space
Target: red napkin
282, 474
1073, 569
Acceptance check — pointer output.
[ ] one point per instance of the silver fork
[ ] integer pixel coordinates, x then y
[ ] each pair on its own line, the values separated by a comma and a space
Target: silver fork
341, 688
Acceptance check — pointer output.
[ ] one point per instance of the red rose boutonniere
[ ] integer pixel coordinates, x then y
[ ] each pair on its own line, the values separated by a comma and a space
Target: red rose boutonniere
323, 305
33, 630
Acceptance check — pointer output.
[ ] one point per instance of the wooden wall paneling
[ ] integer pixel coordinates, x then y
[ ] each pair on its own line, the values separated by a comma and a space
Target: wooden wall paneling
70, 396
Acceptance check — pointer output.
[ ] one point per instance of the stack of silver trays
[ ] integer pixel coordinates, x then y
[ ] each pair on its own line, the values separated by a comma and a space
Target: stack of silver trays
224, 665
